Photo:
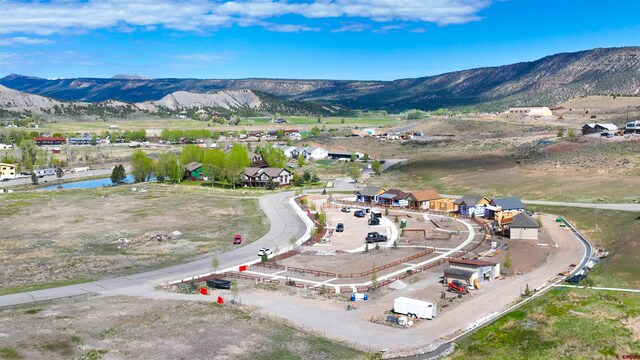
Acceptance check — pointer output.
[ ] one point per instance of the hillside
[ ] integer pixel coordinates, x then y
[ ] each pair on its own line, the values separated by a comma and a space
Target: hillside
243, 102
550, 81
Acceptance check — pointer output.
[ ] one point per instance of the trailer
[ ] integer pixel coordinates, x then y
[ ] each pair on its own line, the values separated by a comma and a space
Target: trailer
414, 308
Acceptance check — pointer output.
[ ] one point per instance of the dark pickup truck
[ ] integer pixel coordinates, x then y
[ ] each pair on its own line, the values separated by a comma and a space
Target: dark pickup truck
219, 284
374, 237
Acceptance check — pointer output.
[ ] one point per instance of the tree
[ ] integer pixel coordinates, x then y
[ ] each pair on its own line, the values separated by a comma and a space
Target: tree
141, 166
354, 172
353, 157
366, 247
215, 262
374, 278
273, 156
280, 134
376, 167
571, 133
234, 289
300, 160
264, 257
306, 176
237, 160
118, 174
213, 164
315, 179
560, 133
297, 180
59, 172
365, 157
270, 185
191, 153
315, 131
168, 168
34, 178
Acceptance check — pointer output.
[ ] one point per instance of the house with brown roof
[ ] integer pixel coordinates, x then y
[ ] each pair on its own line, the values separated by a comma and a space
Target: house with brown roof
421, 199
258, 177
393, 197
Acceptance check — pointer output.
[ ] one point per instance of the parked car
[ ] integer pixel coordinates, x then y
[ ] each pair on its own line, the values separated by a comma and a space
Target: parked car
264, 251
346, 209
374, 221
237, 239
219, 284
359, 213
375, 236
340, 227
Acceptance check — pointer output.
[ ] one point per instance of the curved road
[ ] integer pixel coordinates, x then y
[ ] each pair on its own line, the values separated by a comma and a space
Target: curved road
284, 220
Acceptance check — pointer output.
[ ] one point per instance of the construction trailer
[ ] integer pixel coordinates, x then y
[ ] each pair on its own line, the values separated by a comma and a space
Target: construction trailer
414, 308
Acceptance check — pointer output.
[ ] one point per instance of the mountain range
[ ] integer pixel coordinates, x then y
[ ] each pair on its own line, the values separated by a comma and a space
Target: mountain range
547, 81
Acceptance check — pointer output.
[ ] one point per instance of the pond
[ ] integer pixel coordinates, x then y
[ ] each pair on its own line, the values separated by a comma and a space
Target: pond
87, 184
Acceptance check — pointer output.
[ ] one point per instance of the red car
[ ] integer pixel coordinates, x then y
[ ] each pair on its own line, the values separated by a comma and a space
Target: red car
237, 239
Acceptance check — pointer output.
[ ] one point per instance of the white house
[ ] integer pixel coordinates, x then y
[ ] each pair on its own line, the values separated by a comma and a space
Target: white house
5, 146
289, 151
530, 110
295, 136
632, 127
315, 153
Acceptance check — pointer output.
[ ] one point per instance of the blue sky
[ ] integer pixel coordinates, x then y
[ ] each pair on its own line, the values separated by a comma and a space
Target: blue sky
309, 39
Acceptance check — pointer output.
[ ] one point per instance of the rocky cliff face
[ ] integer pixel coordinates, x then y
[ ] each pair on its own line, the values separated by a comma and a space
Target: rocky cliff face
549, 81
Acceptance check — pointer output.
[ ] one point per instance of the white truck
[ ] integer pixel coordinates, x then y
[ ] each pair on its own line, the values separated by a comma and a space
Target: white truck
414, 308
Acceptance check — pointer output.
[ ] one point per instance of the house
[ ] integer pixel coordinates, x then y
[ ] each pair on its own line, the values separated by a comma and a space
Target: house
598, 128
7, 171
49, 140
504, 208
315, 153
471, 270
258, 177
257, 160
632, 127
194, 171
393, 197
523, 227
421, 199
530, 111
5, 146
295, 136
443, 204
288, 151
369, 194
344, 154
45, 172
469, 205
80, 141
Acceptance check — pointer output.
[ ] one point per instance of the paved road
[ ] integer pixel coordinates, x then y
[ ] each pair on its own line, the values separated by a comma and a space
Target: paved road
620, 207
285, 223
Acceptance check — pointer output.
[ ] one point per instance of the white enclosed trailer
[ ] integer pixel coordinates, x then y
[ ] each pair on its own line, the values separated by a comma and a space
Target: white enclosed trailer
414, 308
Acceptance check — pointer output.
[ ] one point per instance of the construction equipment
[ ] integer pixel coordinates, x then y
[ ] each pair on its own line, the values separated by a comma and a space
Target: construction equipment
457, 286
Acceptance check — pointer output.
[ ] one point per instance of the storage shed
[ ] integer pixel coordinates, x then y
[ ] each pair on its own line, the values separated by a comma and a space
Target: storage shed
523, 227
484, 270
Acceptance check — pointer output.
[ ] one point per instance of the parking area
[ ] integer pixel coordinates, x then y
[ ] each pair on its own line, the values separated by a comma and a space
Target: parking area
355, 230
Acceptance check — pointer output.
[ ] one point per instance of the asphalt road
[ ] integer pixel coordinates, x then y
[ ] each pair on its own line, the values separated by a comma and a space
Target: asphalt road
620, 207
284, 221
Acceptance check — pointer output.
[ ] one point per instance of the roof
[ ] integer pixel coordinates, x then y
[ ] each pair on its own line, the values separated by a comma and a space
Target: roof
370, 191
251, 171
273, 172
471, 262
387, 196
425, 195
7, 165
522, 221
508, 203
470, 200
193, 166
459, 272
49, 138
398, 194
606, 126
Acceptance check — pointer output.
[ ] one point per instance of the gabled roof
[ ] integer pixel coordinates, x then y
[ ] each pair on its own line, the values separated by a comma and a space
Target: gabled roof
508, 203
606, 126
273, 172
370, 191
425, 195
193, 166
397, 194
459, 272
387, 196
522, 221
469, 200
251, 171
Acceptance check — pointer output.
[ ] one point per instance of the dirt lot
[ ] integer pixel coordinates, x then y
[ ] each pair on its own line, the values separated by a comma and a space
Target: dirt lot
133, 328
58, 236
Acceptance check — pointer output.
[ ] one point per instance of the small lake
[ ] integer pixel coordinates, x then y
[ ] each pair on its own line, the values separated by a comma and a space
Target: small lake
87, 184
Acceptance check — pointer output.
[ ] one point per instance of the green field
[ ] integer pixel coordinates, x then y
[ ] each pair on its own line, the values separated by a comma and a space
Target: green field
497, 176
575, 323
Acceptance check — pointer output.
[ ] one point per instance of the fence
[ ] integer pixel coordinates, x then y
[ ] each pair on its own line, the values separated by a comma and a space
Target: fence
314, 272
386, 266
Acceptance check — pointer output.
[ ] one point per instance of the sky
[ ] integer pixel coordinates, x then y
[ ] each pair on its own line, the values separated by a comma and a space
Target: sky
299, 39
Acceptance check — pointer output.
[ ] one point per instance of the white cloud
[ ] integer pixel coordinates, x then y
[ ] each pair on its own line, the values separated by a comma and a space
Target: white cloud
23, 40
62, 16
351, 28
202, 57
386, 29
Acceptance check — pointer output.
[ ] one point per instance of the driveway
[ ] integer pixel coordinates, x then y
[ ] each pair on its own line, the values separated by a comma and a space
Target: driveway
285, 223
